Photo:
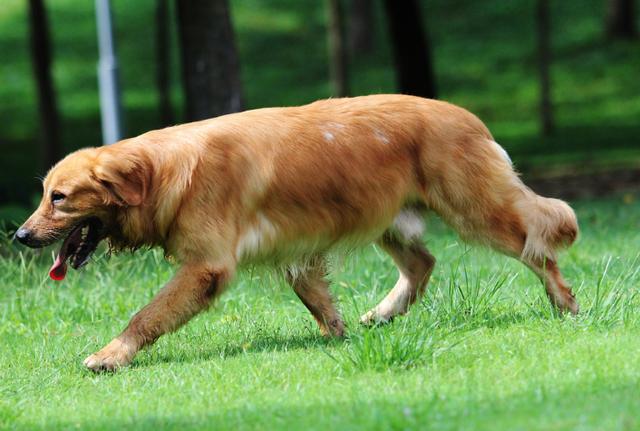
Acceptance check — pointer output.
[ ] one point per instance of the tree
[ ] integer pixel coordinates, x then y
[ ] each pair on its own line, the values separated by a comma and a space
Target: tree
210, 66
41, 62
544, 60
411, 48
361, 26
620, 22
163, 63
337, 51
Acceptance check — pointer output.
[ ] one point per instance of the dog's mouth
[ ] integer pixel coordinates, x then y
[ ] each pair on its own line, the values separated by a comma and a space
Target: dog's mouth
78, 247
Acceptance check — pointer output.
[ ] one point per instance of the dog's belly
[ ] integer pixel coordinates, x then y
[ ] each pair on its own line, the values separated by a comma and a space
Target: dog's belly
264, 241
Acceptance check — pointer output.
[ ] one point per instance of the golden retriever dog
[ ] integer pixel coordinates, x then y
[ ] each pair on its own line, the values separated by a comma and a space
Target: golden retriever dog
284, 186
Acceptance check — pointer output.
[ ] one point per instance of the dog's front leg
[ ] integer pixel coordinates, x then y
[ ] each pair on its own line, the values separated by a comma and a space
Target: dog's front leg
190, 291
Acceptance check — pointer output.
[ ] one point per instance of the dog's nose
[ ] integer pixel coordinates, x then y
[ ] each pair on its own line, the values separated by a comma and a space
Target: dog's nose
23, 235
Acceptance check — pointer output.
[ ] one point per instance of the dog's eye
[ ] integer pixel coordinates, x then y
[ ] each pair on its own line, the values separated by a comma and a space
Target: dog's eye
57, 197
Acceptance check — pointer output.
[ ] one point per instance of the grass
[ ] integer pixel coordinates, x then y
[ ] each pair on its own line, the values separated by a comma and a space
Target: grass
482, 351
484, 60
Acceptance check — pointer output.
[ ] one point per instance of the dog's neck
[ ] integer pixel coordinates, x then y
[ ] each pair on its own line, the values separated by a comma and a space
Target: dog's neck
150, 224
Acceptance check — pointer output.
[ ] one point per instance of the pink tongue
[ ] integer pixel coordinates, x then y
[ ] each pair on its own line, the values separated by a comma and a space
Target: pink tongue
59, 269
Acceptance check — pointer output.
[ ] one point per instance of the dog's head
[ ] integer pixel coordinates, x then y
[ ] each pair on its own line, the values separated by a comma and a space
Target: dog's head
82, 196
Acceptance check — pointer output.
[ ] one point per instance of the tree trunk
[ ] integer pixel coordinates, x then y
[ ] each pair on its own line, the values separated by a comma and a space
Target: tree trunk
620, 22
361, 26
411, 50
163, 63
337, 50
544, 60
210, 66
41, 61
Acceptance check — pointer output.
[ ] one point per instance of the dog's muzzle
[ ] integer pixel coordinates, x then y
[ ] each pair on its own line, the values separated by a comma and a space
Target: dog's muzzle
26, 237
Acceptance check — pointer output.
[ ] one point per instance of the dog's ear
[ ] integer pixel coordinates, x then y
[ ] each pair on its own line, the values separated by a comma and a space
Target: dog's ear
125, 177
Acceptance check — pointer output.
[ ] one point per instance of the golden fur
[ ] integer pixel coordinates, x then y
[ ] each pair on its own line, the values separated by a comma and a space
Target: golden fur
287, 185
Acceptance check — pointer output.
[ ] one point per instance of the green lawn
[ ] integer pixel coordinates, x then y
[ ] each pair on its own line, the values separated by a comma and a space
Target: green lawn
483, 351
484, 59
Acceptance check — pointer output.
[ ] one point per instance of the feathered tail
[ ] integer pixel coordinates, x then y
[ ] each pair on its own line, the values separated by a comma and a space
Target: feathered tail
551, 225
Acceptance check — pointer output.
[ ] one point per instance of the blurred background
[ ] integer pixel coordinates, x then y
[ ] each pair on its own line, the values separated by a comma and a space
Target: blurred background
557, 82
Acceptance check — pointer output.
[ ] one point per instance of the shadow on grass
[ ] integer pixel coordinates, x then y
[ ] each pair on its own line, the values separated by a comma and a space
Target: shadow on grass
195, 351
192, 352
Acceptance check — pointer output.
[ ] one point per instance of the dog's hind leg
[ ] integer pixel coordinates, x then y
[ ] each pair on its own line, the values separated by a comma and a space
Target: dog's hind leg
546, 268
415, 265
511, 239
556, 287
309, 283
191, 290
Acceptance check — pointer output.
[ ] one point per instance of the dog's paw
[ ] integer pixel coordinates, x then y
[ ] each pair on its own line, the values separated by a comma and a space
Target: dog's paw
114, 355
334, 328
373, 318
572, 307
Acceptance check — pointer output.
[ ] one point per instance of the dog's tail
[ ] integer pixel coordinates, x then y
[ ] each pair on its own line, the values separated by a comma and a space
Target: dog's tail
551, 225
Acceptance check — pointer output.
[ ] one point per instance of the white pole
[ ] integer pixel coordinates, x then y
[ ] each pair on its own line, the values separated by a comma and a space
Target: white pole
108, 76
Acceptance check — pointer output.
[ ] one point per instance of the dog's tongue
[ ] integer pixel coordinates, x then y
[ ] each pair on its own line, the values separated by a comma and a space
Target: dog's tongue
59, 268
